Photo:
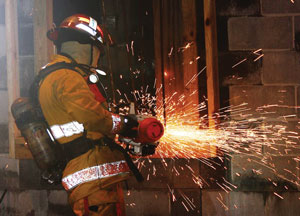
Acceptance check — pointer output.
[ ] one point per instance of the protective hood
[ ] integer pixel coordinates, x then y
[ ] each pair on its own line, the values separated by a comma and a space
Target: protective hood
86, 54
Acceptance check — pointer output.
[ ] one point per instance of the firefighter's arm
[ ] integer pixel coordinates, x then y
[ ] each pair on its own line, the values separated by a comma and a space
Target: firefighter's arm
76, 97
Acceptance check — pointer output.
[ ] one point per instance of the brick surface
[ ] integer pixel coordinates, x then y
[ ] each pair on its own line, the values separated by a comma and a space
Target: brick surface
31, 181
233, 203
258, 173
262, 101
33, 201
239, 203
157, 174
287, 204
237, 68
281, 7
8, 164
246, 204
247, 167
59, 210
34, 180
281, 67
58, 203
9, 172
286, 169
250, 33
180, 173
147, 203
212, 172
186, 202
186, 173
3, 107
30, 202
214, 202
8, 205
237, 8
282, 138
4, 147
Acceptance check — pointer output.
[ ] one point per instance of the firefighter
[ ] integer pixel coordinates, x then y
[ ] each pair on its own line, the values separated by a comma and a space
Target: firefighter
78, 117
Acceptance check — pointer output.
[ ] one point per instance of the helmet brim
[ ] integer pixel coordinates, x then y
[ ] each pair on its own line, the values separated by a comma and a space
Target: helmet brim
61, 35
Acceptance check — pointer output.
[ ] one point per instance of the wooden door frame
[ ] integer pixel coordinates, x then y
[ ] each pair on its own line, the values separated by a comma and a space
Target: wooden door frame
43, 49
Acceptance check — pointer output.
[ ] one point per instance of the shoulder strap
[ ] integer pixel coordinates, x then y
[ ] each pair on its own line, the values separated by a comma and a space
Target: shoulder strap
33, 91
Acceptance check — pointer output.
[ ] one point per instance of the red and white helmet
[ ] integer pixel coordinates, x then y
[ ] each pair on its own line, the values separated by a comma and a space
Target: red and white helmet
81, 28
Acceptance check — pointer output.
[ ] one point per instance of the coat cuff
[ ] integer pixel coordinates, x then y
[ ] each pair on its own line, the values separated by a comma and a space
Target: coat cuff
116, 123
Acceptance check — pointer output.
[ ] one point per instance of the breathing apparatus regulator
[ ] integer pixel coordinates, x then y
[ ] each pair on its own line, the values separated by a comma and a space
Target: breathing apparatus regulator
94, 76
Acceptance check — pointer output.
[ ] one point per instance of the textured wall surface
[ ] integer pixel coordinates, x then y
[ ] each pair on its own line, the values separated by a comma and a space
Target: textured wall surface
269, 175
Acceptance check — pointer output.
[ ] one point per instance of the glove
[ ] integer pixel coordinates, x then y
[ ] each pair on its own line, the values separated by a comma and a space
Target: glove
129, 126
53, 176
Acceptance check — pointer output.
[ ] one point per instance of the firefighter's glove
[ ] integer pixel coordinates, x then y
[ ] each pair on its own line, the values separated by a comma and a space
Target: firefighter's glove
52, 177
129, 126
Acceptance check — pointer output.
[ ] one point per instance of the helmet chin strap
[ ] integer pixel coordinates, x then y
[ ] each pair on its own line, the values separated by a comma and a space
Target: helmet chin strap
94, 77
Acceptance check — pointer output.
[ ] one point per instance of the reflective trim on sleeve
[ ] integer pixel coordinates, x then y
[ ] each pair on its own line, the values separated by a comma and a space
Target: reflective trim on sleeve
93, 173
116, 120
66, 130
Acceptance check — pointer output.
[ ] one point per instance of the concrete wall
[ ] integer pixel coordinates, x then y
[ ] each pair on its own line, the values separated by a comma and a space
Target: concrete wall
273, 32
267, 179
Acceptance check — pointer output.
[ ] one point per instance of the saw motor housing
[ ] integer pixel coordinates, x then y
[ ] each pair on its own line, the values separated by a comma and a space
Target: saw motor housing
150, 130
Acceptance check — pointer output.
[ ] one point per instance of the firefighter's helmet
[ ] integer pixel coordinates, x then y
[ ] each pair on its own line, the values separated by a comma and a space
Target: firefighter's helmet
81, 28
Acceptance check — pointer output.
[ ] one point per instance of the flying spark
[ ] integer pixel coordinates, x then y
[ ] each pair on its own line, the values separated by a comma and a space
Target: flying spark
252, 133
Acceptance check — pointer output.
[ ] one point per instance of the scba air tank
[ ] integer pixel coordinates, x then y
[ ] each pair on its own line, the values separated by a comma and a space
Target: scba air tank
34, 130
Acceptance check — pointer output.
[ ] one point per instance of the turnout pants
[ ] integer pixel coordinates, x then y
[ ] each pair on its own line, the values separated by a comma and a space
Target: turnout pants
105, 202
